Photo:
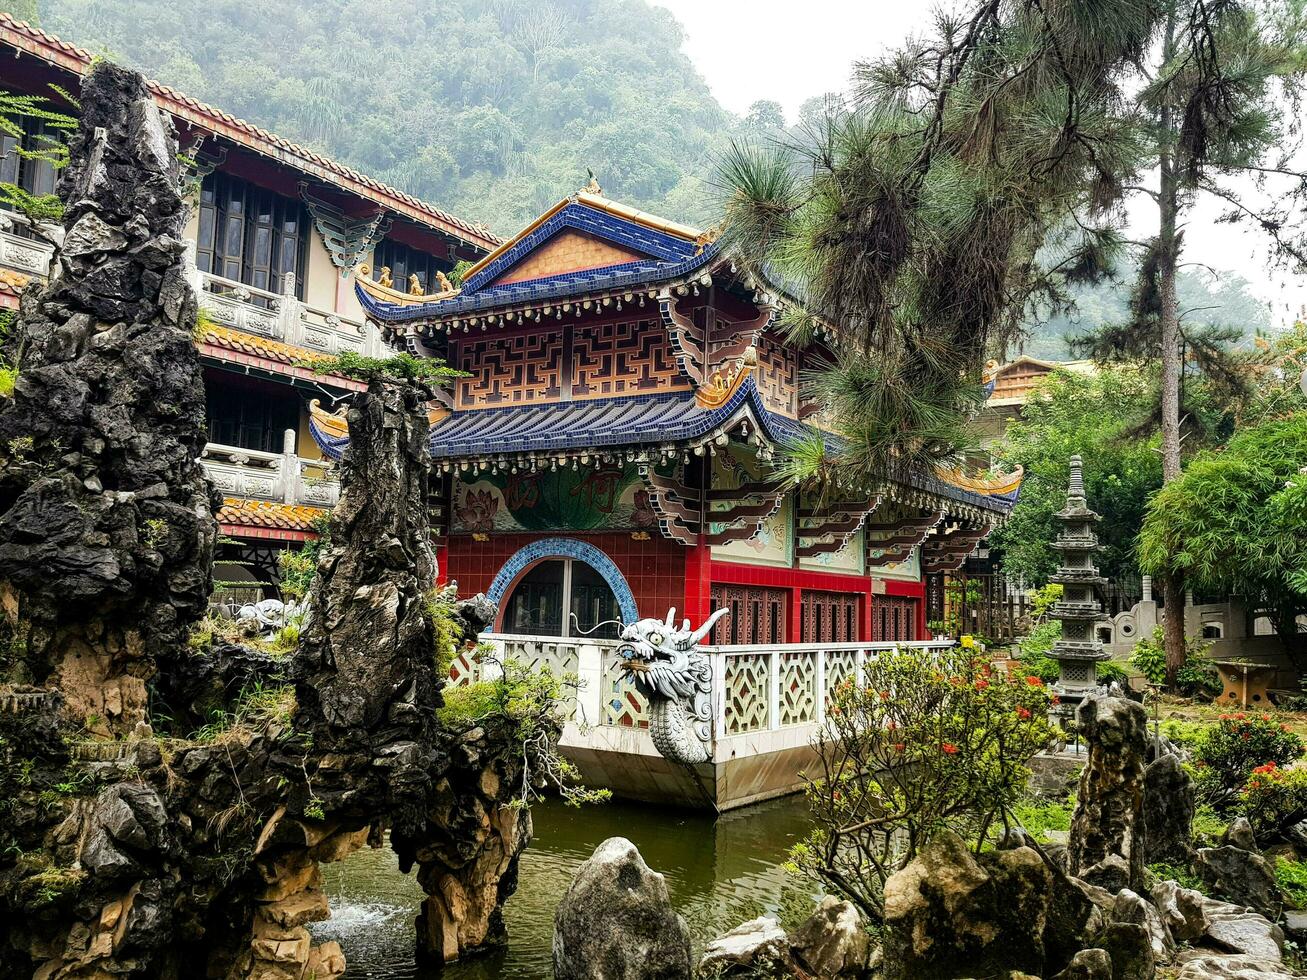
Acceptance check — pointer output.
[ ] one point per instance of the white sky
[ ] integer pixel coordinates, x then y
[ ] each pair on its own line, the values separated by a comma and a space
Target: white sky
788, 52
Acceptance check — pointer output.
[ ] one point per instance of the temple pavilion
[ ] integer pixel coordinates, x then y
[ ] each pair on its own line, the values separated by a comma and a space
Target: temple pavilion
609, 451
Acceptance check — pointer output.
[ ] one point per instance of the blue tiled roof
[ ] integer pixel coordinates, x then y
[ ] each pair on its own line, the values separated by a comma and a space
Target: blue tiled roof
535, 290
580, 217
638, 420
630, 421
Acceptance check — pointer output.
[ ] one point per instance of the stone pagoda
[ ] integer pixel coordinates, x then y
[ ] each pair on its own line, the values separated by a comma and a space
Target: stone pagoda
1079, 609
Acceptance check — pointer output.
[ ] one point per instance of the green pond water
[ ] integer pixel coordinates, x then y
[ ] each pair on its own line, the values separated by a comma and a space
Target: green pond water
720, 872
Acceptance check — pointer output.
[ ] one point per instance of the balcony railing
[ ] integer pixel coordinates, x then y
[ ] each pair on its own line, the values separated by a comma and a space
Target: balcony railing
26, 255
755, 688
279, 477
282, 316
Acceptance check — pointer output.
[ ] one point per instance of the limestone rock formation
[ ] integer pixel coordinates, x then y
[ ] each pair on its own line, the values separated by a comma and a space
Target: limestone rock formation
1088, 964
755, 948
1168, 811
1243, 877
106, 518
1240, 930
947, 914
1182, 909
1108, 818
616, 922
833, 942
1204, 965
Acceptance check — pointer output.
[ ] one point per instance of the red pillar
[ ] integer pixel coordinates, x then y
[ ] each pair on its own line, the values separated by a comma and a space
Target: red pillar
868, 610
794, 628
698, 583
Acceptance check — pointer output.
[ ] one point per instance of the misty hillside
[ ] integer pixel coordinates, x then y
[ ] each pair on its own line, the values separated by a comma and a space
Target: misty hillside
494, 109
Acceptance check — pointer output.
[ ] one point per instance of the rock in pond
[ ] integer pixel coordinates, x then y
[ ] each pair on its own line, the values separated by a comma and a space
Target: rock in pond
833, 942
757, 948
616, 922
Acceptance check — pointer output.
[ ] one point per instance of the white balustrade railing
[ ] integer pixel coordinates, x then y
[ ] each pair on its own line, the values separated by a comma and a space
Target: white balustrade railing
282, 316
29, 256
281, 477
755, 688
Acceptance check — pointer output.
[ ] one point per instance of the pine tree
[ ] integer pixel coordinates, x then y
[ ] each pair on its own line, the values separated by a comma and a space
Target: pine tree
1220, 84
921, 221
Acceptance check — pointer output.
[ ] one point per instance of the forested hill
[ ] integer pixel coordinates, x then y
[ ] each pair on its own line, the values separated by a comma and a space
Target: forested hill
493, 109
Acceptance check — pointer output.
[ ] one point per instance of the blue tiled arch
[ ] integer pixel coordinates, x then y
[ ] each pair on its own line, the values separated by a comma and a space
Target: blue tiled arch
565, 548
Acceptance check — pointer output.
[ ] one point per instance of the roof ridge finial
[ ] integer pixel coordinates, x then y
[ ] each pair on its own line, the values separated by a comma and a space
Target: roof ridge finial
592, 187
1076, 487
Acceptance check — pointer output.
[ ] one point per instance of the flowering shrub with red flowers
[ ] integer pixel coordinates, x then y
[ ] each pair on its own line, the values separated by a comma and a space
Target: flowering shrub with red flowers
1274, 799
1227, 754
920, 742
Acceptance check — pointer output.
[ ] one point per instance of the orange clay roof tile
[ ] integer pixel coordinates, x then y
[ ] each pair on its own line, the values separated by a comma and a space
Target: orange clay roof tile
263, 513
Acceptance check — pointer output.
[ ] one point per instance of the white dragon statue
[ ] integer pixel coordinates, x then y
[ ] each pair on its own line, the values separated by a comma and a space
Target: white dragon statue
666, 668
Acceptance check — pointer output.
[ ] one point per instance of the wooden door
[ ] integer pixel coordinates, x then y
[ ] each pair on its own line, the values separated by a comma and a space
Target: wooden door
830, 617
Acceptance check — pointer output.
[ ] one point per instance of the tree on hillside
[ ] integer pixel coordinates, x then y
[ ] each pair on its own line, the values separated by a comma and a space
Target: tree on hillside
488, 109
765, 116
1236, 522
916, 220
1220, 81
1094, 417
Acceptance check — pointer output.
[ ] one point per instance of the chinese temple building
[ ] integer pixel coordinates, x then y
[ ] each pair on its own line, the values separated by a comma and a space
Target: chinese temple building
609, 451
275, 232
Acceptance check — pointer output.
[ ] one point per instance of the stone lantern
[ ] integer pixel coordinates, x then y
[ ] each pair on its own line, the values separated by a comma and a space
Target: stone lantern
1079, 609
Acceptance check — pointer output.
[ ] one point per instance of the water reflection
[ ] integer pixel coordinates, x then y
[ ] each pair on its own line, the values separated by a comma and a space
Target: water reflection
719, 872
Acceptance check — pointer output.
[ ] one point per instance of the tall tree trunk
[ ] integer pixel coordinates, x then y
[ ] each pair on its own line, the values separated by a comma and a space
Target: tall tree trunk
1168, 248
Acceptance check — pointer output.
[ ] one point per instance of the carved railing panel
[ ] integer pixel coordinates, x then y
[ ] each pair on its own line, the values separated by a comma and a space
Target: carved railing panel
748, 693
798, 696
623, 705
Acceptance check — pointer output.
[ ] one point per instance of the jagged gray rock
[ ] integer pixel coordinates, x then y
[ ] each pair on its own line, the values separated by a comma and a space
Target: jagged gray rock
833, 942
1241, 930
1131, 950
1182, 910
1129, 907
1088, 964
1108, 818
616, 921
1168, 811
948, 912
1205, 965
755, 948
107, 526
1240, 834
1240, 876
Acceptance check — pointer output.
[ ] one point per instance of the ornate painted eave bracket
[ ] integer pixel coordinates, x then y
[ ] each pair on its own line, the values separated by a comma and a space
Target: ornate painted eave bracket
946, 552
347, 238
683, 511
896, 538
829, 527
702, 352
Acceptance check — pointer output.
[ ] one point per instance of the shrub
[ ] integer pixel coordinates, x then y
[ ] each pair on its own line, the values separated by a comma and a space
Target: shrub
1038, 817
295, 569
1274, 799
529, 705
1228, 752
925, 743
1164, 871
1292, 879
1196, 675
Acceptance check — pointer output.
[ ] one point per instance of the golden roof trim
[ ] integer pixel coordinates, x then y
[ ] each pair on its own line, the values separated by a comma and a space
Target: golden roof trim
993, 486
388, 294
602, 203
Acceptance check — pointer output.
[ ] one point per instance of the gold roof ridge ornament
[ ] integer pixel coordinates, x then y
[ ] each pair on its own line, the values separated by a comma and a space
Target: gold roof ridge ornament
384, 289
592, 185
720, 386
992, 486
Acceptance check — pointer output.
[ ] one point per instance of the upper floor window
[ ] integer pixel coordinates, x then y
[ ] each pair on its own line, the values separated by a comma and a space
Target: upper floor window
250, 234
404, 261
37, 177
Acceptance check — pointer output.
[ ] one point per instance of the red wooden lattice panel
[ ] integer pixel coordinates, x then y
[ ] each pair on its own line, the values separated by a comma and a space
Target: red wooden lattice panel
757, 615
893, 618
830, 617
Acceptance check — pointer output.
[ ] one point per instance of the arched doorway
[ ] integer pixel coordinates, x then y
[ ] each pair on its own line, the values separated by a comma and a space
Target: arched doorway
562, 587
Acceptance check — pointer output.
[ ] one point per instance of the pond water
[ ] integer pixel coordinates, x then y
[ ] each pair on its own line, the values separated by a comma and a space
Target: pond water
720, 872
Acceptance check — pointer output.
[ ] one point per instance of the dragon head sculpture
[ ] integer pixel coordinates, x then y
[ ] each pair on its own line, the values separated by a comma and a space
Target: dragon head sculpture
663, 662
